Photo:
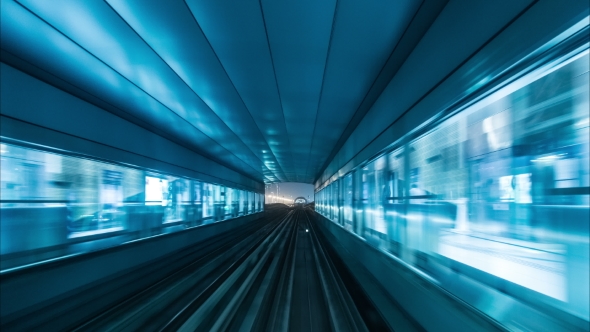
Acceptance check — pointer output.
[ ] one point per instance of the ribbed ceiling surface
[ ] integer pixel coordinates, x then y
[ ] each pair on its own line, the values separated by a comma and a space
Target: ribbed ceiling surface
266, 87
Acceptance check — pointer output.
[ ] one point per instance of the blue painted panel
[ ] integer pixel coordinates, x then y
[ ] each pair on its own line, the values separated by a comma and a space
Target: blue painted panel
197, 64
358, 52
120, 48
235, 30
462, 28
50, 117
299, 35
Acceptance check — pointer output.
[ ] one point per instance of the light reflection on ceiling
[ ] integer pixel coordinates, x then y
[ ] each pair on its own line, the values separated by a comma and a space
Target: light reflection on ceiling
266, 87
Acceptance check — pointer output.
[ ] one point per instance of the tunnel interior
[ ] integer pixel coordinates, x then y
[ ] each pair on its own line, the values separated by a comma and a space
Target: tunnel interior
300, 165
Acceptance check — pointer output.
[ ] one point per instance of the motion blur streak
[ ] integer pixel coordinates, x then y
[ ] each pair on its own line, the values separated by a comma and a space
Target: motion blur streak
54, 205
499, 191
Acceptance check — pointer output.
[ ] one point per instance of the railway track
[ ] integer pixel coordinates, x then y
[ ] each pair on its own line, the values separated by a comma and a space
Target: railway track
275, 277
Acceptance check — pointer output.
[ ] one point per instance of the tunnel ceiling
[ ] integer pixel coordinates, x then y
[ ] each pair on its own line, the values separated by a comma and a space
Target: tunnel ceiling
269, 88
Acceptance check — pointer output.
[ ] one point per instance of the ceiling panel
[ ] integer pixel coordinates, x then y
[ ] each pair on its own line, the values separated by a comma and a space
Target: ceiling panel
122, 49
358, 52
26, 36
299, 36
171, 30
236, 32
267, 87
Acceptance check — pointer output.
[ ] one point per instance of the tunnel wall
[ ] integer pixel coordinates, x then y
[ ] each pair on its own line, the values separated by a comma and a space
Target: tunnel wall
36, 112
468, 46
94, 280
393, 285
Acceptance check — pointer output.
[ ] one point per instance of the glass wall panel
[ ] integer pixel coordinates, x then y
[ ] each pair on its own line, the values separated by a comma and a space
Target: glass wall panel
250, 202
177, 199
240, 198
333, 199
198, 202
208, 201
256, 202
358, 203
324, 201
50, 203
321, 199
218, 202
394, 202
228, 206
336, 201
501, 187
246, 202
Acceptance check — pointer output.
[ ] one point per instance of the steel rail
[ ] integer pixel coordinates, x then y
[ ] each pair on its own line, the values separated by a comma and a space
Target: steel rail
125, 314
180, 319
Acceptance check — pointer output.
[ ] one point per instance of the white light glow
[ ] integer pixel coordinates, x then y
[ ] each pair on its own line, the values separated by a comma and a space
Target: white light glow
548, 158
583, 123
